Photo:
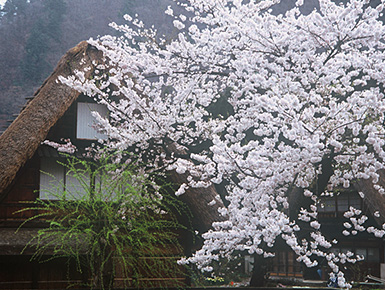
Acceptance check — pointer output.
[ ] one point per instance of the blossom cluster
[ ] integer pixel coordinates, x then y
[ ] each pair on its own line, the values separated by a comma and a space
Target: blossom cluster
261, 102
67, 147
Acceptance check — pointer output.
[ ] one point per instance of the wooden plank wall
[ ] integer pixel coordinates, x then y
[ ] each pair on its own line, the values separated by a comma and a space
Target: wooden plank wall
22, 190
19, 272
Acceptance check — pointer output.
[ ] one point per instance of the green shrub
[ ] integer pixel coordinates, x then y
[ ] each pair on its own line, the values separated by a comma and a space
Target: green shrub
113, 222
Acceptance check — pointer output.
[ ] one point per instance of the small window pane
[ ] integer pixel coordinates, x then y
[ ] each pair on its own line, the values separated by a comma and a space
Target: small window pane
335, 251
362, 253
51, 178
343, 203
373, 255
85, 128
106, 186
77, 186
328, 205
346, 250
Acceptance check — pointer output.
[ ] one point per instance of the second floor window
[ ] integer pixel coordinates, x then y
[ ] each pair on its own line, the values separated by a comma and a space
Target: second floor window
85, 128
340, 203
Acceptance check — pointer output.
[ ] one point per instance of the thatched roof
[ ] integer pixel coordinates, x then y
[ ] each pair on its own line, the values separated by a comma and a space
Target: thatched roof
17, 241
13, 241
374, 200
22, 138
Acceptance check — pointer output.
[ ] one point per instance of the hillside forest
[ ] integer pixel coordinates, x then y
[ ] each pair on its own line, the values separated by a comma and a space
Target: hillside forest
35, 34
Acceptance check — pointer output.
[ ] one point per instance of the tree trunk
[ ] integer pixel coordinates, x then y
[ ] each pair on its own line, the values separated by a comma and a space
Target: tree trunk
198, 199
103, 268
258, 277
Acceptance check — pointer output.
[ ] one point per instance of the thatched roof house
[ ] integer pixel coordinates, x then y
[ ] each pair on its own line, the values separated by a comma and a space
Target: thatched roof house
22, 138
20, 142
53, 113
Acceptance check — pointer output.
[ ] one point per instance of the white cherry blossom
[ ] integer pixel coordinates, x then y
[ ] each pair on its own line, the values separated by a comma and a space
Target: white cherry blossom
263, 104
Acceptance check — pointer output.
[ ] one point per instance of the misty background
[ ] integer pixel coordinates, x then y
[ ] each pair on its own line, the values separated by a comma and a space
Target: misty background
35, 34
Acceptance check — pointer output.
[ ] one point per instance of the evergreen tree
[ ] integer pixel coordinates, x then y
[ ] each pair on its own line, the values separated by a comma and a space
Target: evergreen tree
47, 28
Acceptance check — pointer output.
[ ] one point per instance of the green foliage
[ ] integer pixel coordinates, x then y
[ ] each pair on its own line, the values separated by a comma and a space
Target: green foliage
34, 65
54, 11
15, 7
215, 281
113, 223
226, 271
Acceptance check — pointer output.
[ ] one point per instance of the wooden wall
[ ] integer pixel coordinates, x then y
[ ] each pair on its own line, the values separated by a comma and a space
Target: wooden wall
22, 190
19, 272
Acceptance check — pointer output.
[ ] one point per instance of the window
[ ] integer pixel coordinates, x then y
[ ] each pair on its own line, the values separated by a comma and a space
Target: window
373, 255
369, 254
85, 127
327, 205
346, 200
285, 264
339, 203
54, 179
343, 203
362, 253
51, 178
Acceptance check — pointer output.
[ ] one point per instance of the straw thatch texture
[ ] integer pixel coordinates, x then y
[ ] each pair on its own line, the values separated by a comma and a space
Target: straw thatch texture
374, 200
20, 141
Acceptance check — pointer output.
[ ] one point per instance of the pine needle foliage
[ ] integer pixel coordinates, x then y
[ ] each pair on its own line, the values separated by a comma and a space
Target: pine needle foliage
117, 224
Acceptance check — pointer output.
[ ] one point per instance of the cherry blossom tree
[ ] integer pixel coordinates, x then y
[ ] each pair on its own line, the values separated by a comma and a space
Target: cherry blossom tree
270, 107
